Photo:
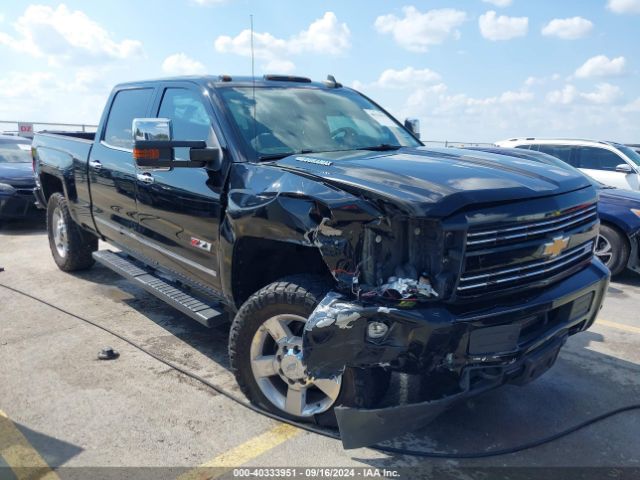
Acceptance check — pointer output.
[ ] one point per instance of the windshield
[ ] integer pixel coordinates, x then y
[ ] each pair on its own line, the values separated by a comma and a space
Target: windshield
15, 152
307, 120
630, 153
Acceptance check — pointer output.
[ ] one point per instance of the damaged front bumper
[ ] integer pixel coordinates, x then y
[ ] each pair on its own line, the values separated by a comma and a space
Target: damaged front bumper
512, 341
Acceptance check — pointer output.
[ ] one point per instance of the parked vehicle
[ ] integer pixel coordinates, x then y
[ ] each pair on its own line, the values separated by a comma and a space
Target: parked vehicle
619, 211
340, 247
17, 180
610, 163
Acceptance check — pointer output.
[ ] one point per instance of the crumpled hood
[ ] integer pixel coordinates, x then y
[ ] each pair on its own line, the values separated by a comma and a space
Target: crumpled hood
436, 182
17, 174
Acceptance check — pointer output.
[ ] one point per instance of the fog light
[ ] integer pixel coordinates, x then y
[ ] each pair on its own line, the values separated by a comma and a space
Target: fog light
377, 330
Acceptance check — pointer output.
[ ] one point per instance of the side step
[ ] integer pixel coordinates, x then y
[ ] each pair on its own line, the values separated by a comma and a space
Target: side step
208, 315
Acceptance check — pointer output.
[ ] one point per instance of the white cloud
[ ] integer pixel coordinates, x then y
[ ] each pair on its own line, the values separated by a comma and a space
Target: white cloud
181, 64
601, 66
65, 36
624, 6
566, 96
495, 28
408, 77
633, 107
417, 31
499, 3
568, 28
605, 94
325, 35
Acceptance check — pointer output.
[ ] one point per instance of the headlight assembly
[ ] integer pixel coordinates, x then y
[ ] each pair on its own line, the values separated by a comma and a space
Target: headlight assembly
7, 189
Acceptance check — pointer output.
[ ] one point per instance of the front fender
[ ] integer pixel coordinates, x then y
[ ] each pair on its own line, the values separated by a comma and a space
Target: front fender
266, 202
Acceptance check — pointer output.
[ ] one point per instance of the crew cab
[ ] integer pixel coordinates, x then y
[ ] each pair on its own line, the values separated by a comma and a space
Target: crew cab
339, 247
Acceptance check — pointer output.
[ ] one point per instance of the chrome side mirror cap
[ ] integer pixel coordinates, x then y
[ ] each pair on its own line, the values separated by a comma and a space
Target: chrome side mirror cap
413, 125
151, 129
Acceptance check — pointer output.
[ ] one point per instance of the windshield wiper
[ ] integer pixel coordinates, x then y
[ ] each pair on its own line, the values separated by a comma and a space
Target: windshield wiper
278, 156
383, 147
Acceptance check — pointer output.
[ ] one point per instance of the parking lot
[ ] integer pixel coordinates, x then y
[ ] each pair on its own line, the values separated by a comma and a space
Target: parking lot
62, 409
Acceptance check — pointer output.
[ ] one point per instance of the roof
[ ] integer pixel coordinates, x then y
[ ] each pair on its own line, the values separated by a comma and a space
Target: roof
526, 140
233, 80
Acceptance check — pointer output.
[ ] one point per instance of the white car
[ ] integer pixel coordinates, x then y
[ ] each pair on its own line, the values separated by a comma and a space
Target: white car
610, 163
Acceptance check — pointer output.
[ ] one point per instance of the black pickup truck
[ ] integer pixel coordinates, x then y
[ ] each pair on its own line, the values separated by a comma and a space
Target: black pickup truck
339, 247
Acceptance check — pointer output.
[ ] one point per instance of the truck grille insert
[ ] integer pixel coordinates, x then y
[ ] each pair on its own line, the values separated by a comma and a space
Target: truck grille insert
565, 221
527, 271
499, 259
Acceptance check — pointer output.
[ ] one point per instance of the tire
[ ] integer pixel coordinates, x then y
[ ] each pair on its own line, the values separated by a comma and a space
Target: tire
71, 247
612, 249
295, 296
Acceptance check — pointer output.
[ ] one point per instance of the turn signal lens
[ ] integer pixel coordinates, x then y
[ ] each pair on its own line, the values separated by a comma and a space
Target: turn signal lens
146, 154
636, 211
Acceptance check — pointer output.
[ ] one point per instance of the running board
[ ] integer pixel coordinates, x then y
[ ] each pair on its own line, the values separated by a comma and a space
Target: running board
208, 315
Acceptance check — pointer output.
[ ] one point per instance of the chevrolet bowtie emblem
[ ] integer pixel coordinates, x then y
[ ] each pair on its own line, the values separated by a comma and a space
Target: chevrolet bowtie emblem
556, 247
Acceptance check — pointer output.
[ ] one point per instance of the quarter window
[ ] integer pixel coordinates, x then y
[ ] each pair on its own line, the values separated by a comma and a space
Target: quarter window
127, 105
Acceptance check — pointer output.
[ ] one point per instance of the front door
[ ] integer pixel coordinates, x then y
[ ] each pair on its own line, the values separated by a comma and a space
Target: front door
179, 210
601, 164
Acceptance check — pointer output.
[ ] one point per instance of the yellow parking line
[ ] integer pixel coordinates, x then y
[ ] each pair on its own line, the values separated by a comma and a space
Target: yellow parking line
24, 460
619, 326
242, 453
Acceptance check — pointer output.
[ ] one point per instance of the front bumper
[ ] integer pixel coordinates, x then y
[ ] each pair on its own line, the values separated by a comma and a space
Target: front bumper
513, 341
20, 204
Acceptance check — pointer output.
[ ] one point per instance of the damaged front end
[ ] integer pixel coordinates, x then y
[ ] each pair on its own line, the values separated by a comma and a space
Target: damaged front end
457, 352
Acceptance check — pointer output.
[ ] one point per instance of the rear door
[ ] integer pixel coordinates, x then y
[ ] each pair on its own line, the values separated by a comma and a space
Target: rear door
112, 173
179, 210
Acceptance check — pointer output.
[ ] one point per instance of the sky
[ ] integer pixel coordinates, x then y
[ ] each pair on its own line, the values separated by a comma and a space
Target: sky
470, 70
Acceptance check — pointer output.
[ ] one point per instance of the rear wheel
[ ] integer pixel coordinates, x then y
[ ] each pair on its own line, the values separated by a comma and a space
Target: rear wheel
612, 249
71, 247
265, 349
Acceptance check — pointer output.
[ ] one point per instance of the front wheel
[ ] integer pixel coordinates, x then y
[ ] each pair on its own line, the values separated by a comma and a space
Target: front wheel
612, 249
71, 247
265, 349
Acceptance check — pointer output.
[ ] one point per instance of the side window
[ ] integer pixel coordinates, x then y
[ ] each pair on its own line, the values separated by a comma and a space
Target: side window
563, 152
127, 105
598, 159
189, 118
526, 147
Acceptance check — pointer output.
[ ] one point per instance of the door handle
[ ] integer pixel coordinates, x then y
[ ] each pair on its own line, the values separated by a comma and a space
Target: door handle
145, 178
96, 164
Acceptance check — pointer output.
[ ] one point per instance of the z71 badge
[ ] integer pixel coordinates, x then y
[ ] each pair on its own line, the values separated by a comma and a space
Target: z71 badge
201, 244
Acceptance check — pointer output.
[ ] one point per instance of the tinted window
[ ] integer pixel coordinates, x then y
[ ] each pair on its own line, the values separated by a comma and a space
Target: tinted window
598, 158
563, 152
127, 105
189, 118
524, 147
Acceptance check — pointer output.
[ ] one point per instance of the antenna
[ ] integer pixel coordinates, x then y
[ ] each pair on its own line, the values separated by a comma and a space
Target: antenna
253, 79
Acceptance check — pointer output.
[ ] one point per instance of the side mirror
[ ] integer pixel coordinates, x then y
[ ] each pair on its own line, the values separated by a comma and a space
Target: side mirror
153, 147
624, 168
413, 125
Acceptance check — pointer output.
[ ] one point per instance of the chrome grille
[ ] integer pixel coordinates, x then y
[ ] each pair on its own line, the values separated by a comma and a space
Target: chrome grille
566, 220
526, 272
